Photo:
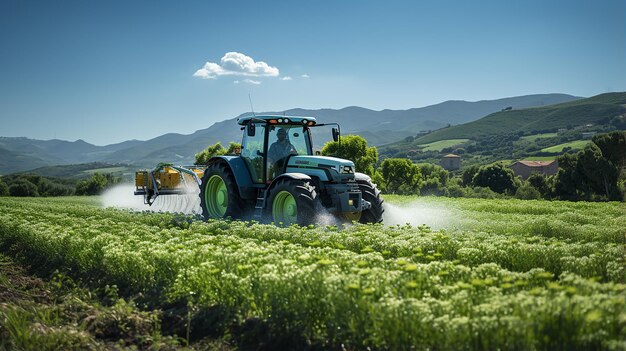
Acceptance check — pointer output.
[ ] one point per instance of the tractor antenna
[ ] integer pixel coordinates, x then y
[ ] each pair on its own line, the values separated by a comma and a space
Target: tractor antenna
252, 108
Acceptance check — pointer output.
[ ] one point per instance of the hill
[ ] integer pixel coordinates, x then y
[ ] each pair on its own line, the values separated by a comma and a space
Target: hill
595, 110
379, 127
516, 134
83, 170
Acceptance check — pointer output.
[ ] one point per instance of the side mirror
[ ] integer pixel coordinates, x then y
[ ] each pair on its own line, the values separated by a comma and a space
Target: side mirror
250, 129
335, 134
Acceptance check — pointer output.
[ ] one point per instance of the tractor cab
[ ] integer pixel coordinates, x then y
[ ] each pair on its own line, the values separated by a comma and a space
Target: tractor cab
269, 141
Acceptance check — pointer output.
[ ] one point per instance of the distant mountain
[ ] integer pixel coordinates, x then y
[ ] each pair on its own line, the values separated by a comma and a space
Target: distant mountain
594, 110
378, 127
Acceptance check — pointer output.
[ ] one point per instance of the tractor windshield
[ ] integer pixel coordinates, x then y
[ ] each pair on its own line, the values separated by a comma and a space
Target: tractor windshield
284, 141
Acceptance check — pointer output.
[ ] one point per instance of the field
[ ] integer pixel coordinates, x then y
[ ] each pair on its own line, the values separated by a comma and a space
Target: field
538, 136
575, 145
485, 274
442, 144
540, 158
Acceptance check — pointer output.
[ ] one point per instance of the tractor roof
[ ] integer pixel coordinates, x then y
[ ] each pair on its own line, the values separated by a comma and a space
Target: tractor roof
276, 119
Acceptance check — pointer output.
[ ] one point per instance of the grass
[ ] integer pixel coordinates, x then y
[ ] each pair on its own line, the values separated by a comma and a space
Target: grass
574, 145
540, 158
538, 136
442, 144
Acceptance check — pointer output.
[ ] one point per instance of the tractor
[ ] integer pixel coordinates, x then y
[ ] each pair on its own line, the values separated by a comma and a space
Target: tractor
276, 177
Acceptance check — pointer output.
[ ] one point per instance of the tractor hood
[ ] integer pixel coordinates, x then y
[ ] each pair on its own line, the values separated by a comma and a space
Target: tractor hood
332, 168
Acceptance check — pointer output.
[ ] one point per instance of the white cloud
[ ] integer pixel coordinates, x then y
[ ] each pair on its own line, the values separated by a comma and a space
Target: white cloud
236, 64
305, 76
250, 81
236, 82
286, 78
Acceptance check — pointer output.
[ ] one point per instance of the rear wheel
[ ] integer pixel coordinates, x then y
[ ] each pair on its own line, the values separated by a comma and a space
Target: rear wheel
292, 201
370, 193
219, 195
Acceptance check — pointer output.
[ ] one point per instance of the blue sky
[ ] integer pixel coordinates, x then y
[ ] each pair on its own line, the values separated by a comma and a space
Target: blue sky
109, 71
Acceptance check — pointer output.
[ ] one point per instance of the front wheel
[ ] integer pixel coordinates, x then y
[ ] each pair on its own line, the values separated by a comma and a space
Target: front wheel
370, 193
219, 195
292, 201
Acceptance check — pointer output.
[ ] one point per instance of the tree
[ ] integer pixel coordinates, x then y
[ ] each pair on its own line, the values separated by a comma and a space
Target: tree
92, 186
540, 183
4, 189
434, 179
527, 192
600, 174
203, 157
568, 181
613, 147
468, 175
23, 187
401, 176
496, 177
353, 147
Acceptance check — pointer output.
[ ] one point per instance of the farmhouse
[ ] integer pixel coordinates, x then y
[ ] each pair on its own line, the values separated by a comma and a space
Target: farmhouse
526, 168
451, 162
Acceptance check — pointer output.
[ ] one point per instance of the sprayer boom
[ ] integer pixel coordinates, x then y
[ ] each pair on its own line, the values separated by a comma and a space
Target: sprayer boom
167, 179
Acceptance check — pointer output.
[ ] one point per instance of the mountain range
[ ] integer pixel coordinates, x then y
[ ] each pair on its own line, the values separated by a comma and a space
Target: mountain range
378, 127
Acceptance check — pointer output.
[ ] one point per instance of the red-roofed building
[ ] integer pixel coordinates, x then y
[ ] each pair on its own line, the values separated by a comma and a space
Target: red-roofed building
526, 168
451, 162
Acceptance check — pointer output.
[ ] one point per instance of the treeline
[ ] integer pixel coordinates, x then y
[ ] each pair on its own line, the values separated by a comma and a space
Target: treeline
596, 173
37, 185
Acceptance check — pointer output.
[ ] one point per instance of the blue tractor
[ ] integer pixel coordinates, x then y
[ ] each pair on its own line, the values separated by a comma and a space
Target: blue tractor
276, 177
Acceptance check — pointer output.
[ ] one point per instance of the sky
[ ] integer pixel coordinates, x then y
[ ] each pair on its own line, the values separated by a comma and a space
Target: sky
110, 71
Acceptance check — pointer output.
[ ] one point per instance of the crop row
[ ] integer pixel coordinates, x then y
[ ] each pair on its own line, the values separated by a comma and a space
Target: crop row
592, 259
317, 289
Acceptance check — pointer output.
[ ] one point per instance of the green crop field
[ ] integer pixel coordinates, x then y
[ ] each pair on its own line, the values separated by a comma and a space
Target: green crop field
487, 274
442, 144
575, 145
538, 136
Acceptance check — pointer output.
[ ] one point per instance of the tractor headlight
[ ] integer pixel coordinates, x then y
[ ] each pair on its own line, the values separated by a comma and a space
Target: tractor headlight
347, 170
286, 120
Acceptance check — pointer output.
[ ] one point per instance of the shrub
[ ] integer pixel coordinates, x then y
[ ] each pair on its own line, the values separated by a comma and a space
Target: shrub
496, 177
527, 192
4, 189
23, 187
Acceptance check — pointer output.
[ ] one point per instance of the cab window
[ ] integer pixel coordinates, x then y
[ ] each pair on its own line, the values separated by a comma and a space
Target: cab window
252, 153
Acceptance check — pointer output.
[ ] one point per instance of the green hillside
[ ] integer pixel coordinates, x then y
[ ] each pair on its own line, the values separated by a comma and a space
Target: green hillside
574, 145
599, 109
442, 144
83, 170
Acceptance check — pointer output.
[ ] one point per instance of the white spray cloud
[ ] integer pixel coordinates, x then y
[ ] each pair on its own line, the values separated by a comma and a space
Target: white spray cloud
286, 78
236, 64
419, 213
121, 196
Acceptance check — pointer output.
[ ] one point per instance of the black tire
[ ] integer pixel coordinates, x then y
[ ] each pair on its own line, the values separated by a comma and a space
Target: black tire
370, 193
305, 196
235, 205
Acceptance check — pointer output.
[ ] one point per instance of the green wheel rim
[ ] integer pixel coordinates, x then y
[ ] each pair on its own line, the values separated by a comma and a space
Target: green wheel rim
285, 209
216, 197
